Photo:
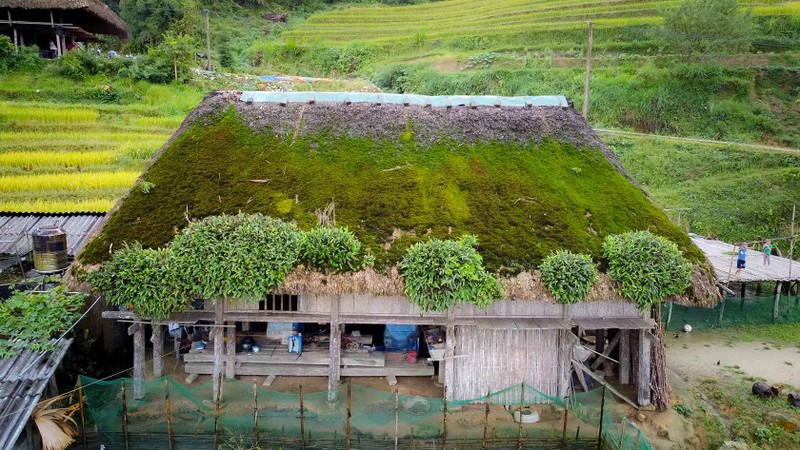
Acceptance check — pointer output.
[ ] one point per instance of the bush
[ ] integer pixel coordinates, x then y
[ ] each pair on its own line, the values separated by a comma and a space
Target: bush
141, 280
705, 26
331, 248
242, 257
22, 58
440, 274
648, 267
568, 276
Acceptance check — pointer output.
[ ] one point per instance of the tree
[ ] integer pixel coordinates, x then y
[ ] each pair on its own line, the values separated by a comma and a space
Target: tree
709, 26
148, 19
179, 50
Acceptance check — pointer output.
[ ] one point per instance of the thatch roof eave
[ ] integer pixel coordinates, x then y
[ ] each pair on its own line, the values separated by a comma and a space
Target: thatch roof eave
94, 7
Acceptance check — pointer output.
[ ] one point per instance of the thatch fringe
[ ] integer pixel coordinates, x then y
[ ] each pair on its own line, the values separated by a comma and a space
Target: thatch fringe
96, 8
702, 292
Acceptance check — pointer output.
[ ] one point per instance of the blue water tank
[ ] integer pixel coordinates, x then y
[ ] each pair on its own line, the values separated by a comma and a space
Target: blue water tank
398, 338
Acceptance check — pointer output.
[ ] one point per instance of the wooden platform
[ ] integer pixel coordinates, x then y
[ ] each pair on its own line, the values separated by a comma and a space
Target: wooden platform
312, 363
722, 257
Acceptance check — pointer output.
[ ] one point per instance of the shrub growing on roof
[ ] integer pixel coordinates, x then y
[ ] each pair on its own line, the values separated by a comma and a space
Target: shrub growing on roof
141, 279
30, 320
649, 268
568, 276
440, 274
243, 256
331, 248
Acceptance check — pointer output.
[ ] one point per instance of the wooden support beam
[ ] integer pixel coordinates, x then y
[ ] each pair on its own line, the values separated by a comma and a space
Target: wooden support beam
269, 380
190, 379
625, 357
138, 361
611, 346
565, 354
643, 386
777, 301
157, 339
449, 353
219, 350
133, 329
230, 365
334, 365
581, 367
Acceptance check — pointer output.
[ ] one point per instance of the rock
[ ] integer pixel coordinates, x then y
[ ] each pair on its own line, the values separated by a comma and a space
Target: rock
641, 417
734, 445
794, 399
763, 390
663, 434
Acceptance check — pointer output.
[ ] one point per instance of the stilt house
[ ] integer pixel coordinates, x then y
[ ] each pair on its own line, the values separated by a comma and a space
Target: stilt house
526, 175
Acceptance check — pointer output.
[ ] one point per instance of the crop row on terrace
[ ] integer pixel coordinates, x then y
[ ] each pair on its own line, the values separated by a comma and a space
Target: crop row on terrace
383, 24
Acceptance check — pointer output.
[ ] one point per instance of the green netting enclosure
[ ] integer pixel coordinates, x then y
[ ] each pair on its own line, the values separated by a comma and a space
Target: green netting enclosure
733, 311
173, 415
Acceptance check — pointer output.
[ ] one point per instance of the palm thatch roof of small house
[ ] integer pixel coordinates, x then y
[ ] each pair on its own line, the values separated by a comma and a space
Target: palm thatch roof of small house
525, 179
107, 21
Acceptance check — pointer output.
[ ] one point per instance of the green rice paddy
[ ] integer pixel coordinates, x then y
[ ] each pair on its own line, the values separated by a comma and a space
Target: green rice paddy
75, 157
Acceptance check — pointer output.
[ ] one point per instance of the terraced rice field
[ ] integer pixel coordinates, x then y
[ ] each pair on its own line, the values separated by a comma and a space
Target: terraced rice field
75, 158
448, 19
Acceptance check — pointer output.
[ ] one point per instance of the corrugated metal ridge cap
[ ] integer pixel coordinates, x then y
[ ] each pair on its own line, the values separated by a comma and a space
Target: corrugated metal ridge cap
435, 101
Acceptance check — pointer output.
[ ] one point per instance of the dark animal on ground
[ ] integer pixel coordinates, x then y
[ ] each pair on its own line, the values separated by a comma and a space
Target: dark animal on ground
794, 399
763, 390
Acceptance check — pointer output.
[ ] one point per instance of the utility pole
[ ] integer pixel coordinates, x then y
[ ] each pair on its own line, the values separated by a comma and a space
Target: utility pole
208, 43
588, 73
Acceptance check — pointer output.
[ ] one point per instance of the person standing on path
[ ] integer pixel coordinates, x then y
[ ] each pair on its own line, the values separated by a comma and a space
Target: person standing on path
740, 260
767, 251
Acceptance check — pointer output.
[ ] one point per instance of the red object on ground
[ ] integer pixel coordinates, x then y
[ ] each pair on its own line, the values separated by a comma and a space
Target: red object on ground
412, 357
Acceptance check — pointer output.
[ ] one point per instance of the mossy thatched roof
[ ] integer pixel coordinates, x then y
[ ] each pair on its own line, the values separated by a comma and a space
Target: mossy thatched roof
525, 180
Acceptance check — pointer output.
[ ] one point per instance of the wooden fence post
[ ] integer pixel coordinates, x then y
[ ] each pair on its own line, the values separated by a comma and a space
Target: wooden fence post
125, 416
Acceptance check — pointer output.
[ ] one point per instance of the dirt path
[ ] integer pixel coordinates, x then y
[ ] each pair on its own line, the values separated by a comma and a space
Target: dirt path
695, 355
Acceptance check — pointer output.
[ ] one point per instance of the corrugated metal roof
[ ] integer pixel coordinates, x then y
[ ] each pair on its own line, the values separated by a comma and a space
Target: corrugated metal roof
435, 101
23, 379
15, 230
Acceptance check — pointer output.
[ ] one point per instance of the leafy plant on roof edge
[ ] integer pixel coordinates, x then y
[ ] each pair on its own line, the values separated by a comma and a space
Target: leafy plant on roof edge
141, 279
440, 274
649, 268
568, 276
335, 249
243, 256
28, 321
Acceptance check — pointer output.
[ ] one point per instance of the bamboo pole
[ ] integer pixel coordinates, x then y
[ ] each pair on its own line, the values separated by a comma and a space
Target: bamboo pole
521, 401
396, 416
349, 415
83, 417
564, 427
169, 413
602, 413
444, 420
255, 413
638, 437
622, 435
486, 419
216, 408
125, 416
302, 421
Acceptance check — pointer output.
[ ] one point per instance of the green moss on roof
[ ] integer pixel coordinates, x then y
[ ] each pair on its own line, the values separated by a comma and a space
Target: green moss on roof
522, 199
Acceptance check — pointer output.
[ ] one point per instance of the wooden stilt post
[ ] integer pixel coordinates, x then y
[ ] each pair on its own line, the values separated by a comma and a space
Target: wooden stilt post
169, 413
521, 401
777, 301
349, 415
157, 339
486, 419
83, 417
216, 409
255, 413
230, 350
335, 351
125, 416
450, 351
302, 421
219, 347
625, 356
643, 385
721, 312
137, 330
564, 427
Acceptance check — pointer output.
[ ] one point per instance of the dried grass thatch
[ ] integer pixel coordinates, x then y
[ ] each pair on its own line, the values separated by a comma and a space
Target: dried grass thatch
56, 425
111, 22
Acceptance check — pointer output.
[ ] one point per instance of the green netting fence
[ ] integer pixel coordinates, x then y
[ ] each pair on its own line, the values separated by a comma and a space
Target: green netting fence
734, 311
173, 415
